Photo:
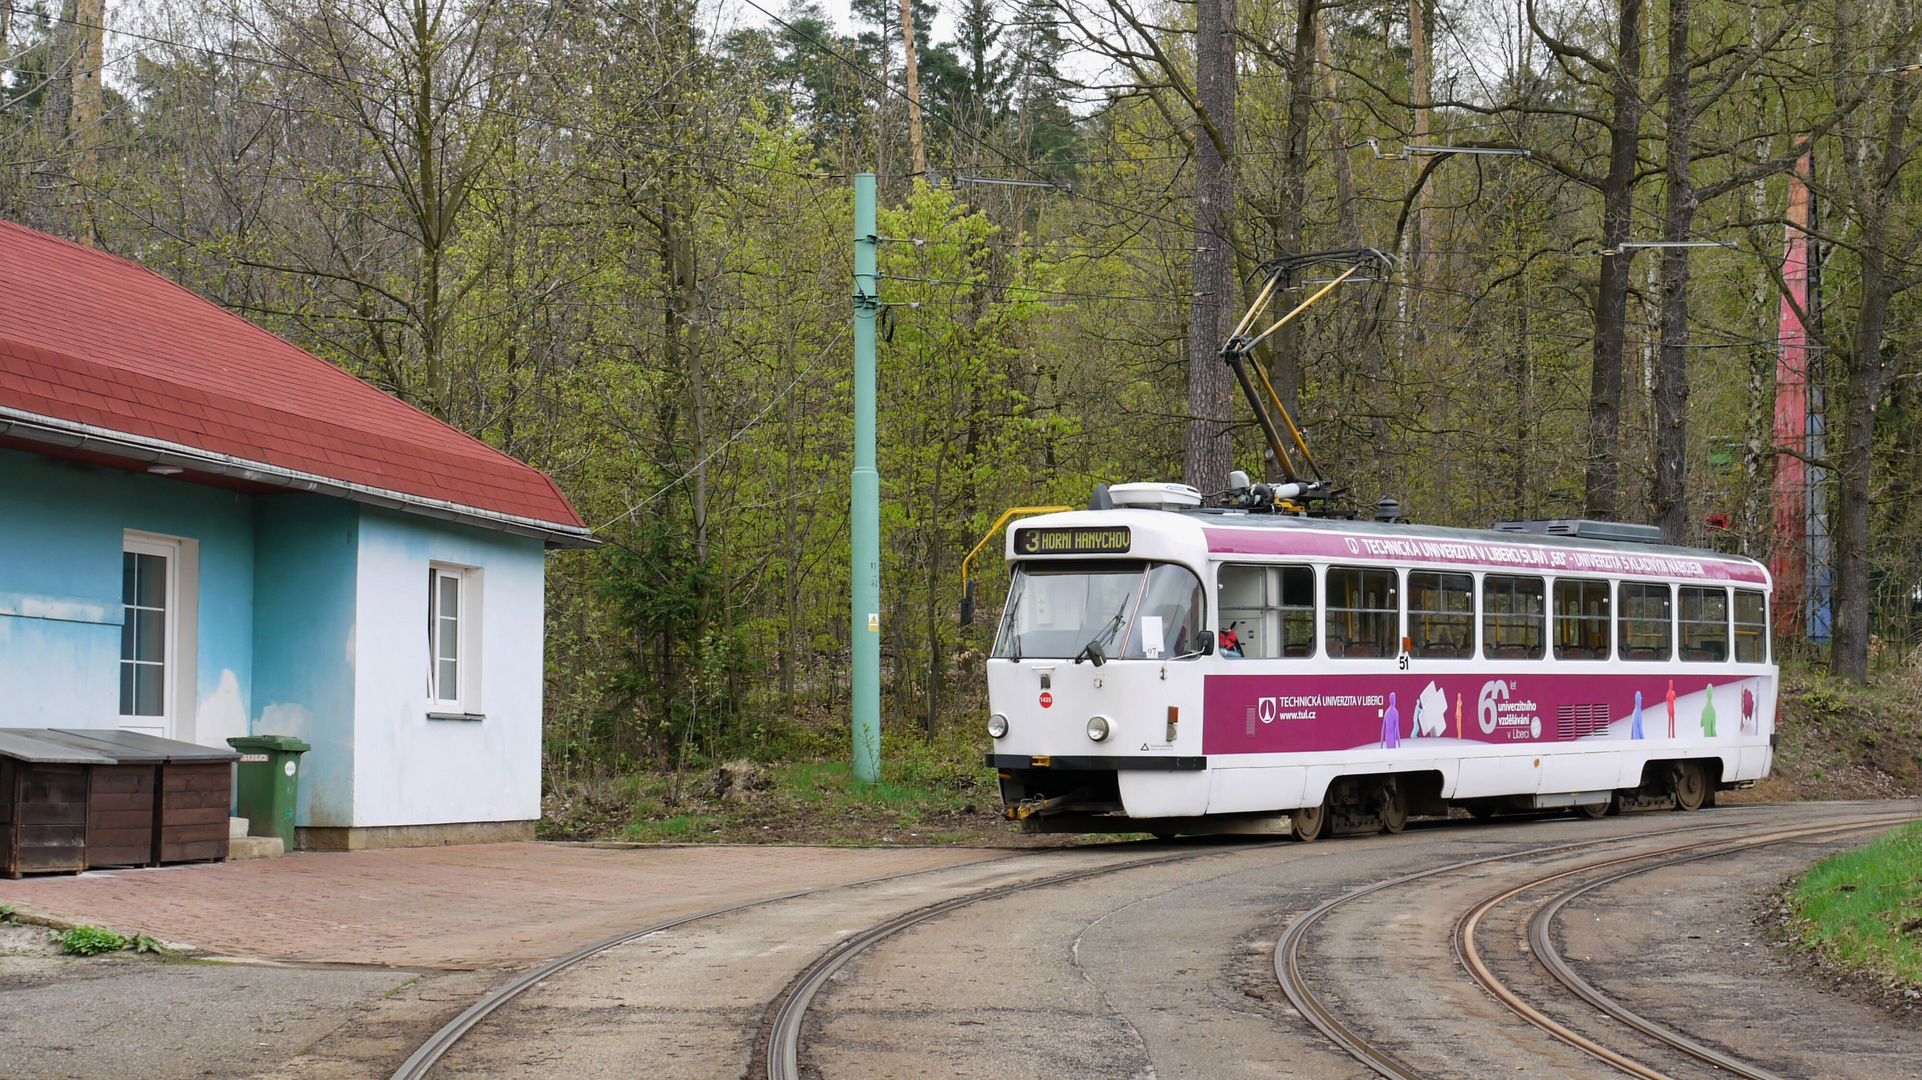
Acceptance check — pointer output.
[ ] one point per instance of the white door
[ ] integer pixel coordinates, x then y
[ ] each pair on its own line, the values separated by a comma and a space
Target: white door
150, 597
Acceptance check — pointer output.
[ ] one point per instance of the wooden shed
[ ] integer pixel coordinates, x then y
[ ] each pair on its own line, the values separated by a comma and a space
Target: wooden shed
43, 803
137, 800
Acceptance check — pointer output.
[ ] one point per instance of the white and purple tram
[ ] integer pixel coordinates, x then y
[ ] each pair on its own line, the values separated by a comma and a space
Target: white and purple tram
1207, 670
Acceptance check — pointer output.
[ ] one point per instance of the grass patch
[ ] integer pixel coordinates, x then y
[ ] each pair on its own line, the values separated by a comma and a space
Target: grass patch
1862, 910
930, 791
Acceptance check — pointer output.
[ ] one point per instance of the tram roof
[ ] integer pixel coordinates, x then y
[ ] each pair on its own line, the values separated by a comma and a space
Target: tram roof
1495, 547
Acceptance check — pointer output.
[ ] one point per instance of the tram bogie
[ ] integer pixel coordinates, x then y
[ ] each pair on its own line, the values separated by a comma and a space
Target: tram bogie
1208, 670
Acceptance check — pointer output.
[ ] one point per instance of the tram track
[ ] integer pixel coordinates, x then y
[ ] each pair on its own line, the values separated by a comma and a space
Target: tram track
1542, 946
788, 1008
428, 1054
1289, 961
781, 1030
778, 1040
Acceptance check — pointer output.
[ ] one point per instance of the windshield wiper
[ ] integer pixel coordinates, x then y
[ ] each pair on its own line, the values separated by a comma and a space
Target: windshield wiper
1093, 651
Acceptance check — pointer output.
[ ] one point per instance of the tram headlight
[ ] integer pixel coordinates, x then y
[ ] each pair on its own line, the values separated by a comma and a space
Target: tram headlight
997, 725
1098, 728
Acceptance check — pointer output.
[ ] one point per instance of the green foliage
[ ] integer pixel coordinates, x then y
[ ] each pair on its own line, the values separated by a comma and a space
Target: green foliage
89, 940
1862, 909
618, 248
1826, 700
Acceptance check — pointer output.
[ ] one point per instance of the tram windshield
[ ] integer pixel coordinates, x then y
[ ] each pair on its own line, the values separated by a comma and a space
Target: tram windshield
1131, 610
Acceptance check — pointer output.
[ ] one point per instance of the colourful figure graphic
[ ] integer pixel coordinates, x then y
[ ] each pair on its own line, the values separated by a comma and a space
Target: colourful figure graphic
1431, 714
1708, 712
1391, 726
1748, 711
1458, 715
1635, 732
1671, 708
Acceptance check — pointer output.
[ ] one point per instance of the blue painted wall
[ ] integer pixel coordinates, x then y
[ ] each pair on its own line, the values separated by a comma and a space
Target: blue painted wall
305, 571
412, 770
61, 529
311, 622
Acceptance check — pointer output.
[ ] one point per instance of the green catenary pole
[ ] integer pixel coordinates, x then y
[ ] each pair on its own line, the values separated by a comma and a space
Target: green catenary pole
866, 517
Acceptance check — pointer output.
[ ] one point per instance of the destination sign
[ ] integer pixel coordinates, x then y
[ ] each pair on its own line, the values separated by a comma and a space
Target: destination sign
1086, 540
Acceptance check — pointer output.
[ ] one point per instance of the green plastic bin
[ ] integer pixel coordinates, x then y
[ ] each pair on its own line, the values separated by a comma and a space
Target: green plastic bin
269, 783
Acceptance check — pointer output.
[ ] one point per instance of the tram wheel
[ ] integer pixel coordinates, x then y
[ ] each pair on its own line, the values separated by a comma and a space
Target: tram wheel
1308, 822
1691, 791
1394, 810
1593, 810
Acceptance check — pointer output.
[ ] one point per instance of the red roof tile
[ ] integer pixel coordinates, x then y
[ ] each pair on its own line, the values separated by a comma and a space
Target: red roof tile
91, 338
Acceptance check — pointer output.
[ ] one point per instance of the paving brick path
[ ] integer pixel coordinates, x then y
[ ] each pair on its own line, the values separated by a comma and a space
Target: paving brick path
483, 905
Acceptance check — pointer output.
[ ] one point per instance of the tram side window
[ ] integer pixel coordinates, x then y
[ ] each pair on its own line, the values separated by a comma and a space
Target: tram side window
1441, 615
1270, 609
1363, 610
1581, 620
1514, 622
1646, 617
1704, 624
1751, 627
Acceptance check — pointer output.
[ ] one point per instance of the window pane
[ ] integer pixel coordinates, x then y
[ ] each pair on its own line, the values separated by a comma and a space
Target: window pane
1054, 611
449, 680
126, 689
149, 690
1269, 609
150, 581
127, 620
1297, 611
126, 577
1751, 627
1514, 622
1581, 620
1704, 624
449, 596
1441, 615
150, 635
1645, 621
449, 639
1363, 609
1168, 622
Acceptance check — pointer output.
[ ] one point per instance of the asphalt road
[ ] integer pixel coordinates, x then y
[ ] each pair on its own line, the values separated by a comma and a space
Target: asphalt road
1162, 971
1167, 970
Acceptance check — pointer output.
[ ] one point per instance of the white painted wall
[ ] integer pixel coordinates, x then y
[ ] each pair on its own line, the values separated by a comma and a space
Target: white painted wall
409, 770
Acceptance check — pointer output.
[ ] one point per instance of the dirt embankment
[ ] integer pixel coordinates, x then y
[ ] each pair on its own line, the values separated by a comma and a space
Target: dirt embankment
1839, 741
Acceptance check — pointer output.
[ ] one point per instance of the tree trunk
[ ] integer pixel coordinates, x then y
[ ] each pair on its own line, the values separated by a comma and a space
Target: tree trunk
1209, 449
1874, 197
1611, 297
1420, 90
1671, 377
1367, 342
1284, 362
916, 147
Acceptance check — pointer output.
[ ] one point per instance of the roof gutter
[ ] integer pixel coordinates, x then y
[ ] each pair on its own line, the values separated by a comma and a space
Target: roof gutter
76, 436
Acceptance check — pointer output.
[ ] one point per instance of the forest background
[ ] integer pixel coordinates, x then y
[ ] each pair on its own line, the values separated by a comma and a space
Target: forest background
612, 238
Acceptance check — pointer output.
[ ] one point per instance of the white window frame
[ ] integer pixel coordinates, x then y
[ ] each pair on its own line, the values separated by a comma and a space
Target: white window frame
163, 724
464, 702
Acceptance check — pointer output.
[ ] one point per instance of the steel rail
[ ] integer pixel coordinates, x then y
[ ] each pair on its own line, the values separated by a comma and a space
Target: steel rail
1541, 942
783, 1046
1288, 947
429, 1053
1484, 976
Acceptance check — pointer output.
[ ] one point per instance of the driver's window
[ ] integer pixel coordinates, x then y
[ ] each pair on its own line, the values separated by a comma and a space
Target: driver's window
1169, 618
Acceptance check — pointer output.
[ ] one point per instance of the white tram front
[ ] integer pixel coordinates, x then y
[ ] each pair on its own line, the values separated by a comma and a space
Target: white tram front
1211, 670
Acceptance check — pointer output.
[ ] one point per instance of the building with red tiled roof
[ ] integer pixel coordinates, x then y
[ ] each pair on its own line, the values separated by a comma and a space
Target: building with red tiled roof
207, 532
